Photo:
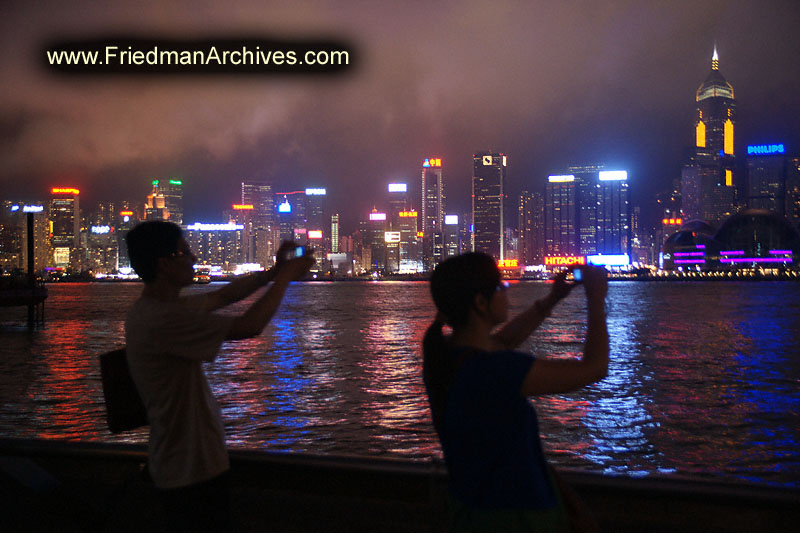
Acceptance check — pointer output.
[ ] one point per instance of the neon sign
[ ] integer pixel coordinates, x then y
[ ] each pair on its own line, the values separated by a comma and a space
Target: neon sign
561, 179
100, 230
197, 226
407, 214
432, 162
398, 187
565, 260
608, 260
377, 216
65, 190
31, 209
755, 260
766, 149
672, 221
391, 236
316, 192
613, 175
507, 263
451, 220
243, 207
285, 207
126, 213
315, 234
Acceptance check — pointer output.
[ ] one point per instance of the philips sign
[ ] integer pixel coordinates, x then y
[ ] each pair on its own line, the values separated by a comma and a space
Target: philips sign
766, 149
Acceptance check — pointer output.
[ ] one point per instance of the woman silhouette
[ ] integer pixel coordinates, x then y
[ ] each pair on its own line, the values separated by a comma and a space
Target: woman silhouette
478, 389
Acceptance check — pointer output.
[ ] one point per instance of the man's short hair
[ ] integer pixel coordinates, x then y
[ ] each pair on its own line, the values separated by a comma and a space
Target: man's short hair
150, 241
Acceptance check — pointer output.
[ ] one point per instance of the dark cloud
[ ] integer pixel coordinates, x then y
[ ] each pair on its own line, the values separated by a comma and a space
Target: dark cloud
549, 83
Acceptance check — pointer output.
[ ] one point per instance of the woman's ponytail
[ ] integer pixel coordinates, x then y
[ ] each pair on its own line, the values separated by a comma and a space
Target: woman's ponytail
435, 369
455, 283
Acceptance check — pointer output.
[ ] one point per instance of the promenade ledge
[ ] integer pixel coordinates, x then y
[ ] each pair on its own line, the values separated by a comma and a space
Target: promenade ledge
83, 486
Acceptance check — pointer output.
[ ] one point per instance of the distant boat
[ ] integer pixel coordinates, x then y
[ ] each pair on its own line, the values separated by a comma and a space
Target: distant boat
202, 274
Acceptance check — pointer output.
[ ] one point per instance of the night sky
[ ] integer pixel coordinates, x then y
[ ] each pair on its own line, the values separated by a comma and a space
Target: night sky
549, 83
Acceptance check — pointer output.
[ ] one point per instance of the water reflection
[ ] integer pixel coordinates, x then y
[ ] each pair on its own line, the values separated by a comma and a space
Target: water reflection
704, 380
396, 406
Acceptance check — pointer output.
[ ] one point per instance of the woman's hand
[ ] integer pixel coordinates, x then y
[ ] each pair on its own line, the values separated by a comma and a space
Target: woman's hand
595, 282
561, 287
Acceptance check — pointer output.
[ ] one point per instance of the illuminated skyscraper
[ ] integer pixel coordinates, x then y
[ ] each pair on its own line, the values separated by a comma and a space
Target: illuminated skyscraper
433, 207
14, 236
172, 191
217, 244
793, 192
335, 233
452, 236
126, 220
613, 218
708, 182
242, 215
488, 202
302, 216
530, 209
560, 214
101, 239
286, 210
265, 234
409, 253
65, 217
260, 196
768, 181
587, 212
317, 220
373, 237
155, 207
399, 201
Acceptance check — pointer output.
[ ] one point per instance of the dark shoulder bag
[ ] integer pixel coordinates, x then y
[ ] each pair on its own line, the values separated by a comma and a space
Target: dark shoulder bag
124, 407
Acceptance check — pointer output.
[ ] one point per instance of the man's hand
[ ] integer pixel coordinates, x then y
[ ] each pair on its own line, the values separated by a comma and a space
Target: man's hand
298, 267
284, 253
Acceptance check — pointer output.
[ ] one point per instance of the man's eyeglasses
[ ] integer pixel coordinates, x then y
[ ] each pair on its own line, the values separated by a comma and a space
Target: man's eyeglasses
182, 253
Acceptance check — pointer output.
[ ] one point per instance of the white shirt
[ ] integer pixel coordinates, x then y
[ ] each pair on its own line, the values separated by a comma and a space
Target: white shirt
166, 343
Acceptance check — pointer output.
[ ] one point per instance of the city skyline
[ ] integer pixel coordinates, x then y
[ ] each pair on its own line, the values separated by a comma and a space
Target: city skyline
620, 95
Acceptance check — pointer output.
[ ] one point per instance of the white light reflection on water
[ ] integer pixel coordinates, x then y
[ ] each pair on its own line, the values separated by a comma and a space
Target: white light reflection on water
704, 379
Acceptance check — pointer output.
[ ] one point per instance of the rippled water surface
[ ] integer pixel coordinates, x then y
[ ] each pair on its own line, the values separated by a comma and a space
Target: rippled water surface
704, 380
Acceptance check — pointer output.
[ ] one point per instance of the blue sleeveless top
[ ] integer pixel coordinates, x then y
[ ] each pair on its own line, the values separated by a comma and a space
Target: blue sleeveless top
490, 435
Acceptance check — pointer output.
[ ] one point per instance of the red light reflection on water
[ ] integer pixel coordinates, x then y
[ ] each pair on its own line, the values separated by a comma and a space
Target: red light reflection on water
397, 405
61, 395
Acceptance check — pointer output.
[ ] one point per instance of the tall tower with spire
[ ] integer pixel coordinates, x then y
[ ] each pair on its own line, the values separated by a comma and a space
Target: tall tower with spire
709, 185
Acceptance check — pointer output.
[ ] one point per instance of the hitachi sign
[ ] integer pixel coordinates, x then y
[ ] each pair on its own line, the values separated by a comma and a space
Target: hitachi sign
766, 149
565, 260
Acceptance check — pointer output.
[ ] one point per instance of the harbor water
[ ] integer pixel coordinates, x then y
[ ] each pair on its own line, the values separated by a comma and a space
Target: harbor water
704, 379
